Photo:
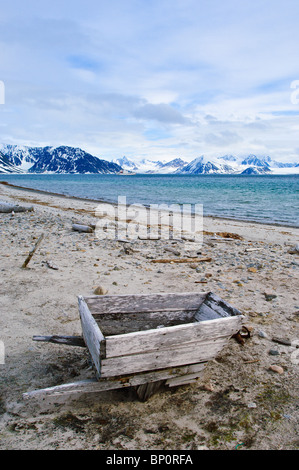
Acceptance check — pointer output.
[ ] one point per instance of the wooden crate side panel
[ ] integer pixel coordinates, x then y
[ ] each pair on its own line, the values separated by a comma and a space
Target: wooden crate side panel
215, 307
187, 353
169, 337
119, 323
144, 302
92, 335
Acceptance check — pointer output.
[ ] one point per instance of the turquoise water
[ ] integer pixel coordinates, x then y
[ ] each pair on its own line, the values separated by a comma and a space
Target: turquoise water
263, 198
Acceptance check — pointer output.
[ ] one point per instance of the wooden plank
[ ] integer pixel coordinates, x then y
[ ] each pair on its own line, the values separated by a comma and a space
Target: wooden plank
184, 380
157, 339
27, 260
206, 313
144, 302
65, 340
118, 323
171, 357
215, 307
181, 260
96, 386
188, 382
92, 335
82, 228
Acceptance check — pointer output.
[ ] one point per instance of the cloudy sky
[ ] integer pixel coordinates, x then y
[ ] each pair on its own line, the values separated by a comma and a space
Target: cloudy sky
154, 79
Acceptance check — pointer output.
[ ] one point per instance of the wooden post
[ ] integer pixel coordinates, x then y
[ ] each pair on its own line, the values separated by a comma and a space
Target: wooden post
33, 251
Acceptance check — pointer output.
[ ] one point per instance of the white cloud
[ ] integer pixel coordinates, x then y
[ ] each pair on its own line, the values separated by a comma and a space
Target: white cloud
132, 76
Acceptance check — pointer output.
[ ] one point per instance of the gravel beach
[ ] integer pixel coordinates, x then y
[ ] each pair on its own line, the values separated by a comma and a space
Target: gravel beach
248, 395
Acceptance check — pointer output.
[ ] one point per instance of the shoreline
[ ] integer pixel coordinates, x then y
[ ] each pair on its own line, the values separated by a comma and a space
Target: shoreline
255, 272
102, 201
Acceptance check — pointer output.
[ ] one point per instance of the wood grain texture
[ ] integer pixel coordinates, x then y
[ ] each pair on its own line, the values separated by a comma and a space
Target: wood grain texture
215, 307
96, 386
150, 332
93, 337
66, 340
118, 323
178, 355
168, 337
141, 303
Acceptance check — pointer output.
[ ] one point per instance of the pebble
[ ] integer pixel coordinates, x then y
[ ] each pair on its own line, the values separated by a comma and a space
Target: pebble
274, 352
252, 405
100, 290
208, 387
294, 250
269, 297
262, 334
252, 270
277, 369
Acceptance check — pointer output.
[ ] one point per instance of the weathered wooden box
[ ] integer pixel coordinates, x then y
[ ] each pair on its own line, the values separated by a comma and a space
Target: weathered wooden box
146, 341
172, 334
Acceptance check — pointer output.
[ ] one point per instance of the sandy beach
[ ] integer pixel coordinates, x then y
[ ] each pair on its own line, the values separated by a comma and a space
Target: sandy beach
241, 401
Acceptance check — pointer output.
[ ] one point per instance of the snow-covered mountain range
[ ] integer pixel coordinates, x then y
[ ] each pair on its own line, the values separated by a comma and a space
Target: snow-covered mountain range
150, 166
61, 159
65, 159
227, 164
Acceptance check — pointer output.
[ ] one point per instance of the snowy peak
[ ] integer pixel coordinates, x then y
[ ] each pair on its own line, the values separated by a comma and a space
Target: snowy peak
230, 164
61, 159
6, 166
251, 170
126, 164
200, 166
255, 161
176, 162
146, 166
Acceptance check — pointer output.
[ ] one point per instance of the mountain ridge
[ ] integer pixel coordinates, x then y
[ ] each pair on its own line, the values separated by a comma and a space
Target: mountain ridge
66, 159
227, 164
62, 159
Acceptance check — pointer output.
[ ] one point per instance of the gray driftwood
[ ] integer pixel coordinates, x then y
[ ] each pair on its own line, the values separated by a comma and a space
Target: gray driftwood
82, 228
181, 260
67, 340
27, 260
6, 207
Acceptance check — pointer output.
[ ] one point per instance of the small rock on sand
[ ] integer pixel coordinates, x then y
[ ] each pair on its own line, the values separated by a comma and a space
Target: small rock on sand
277, 369
100, 290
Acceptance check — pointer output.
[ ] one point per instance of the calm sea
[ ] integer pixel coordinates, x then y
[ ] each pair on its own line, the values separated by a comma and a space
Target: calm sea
263, 198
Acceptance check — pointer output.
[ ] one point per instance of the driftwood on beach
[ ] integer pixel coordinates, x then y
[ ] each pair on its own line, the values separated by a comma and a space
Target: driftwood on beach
6, 207
27, 260
67, 340
182, 260
82, 228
